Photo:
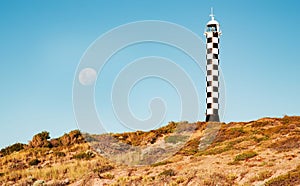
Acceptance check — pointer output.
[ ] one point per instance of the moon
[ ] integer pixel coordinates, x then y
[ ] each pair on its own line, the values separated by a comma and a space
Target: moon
87, 76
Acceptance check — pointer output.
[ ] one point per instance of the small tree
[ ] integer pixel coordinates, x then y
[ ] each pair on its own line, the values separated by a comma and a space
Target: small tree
65, 140
74, 137
40, 140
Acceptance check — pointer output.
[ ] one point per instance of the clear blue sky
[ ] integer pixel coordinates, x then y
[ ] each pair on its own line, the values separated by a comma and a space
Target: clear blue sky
41, 43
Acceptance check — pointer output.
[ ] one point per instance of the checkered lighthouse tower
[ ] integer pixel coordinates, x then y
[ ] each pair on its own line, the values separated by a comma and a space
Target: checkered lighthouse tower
212, 34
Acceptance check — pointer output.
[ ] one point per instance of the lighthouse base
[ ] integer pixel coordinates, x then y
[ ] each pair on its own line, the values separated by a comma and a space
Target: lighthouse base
212, 118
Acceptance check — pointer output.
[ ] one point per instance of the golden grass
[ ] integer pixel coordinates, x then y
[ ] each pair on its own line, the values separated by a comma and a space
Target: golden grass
73, 170
261, 176
235, 144
46, 165
290, 178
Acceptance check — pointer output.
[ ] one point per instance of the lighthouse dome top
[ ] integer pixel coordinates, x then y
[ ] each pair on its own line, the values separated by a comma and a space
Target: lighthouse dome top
213, 25
212, 22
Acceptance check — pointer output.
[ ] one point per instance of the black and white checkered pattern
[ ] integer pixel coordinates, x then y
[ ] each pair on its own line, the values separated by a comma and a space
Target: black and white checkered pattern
212, 76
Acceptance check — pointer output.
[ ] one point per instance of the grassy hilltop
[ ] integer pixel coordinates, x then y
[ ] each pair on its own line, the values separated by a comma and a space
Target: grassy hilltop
262, 152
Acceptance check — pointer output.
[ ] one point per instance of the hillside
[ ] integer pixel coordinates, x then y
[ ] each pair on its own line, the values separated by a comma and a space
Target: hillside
262, 152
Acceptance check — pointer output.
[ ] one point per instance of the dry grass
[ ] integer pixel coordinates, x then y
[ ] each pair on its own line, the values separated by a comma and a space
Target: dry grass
46, 165
287, 144
262, 176
239, 154
72, 171
291, 178
139, 138
218, 179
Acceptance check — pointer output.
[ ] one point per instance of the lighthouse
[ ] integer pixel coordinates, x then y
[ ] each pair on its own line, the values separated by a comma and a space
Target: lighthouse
212, 33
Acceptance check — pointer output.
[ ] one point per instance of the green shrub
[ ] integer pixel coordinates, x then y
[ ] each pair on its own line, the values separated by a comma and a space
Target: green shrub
168, 172
234, 163
59, 154
214, 151
245, 155
107, 176
34, 162
160, 163
84, 155
13, 148
258, 140
291, 178
262, 176
103, 169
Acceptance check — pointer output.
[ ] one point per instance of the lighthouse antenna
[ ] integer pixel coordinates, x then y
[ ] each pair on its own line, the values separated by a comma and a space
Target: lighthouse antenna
212, 13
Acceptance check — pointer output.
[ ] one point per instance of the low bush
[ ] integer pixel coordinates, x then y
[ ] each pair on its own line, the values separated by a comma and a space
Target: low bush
262, 176
260, 139
13, 148
160, 163
291, 178
34, 162
245, 156
59, 154
107, 176
168, 172
214, 151
84, 155
81, 155
73, 137
103, 169
40, 140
